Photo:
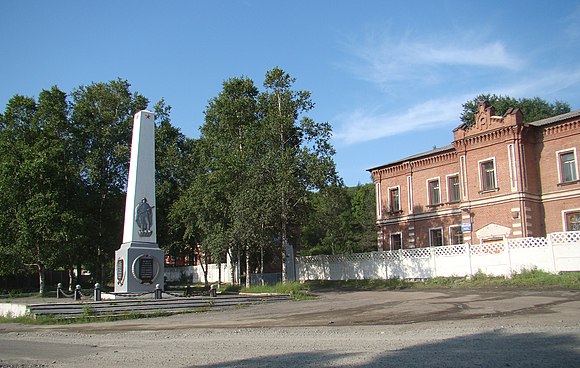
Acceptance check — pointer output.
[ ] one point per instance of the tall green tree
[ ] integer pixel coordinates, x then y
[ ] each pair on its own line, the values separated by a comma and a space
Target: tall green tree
228, 144
38, 185
298, 151
532, 108
261, 159
340, 220
175, 165
102, 114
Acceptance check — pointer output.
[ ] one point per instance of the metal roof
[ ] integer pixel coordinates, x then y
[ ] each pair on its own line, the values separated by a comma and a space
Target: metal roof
555, 119
413, 157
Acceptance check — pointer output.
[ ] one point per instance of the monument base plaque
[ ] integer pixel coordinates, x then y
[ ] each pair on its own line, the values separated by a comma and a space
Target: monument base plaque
138, 268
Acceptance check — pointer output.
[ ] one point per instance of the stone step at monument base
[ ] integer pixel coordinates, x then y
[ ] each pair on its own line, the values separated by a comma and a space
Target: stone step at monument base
145, 306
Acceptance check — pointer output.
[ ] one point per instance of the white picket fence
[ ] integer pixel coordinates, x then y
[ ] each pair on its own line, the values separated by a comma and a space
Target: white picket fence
555, 253
194, 274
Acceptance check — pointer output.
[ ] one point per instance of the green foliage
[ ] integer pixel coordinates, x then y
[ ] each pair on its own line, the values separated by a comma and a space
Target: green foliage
296, 290
533, 109
63, 172
260, 158
88, 311
176, 162
340, 220
352, 285
38, 183
102, 114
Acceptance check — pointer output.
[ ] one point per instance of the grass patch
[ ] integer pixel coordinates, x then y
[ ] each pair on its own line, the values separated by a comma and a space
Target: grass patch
525, 279
91, 318
296, 290
350, 285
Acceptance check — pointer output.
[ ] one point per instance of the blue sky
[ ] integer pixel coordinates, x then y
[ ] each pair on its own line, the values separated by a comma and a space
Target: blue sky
389, 76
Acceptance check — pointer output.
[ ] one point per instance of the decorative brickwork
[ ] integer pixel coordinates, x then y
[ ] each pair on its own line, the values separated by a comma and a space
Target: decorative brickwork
523, 177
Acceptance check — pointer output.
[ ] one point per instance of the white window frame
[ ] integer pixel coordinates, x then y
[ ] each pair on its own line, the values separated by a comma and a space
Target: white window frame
429, 199
481, 176
559, 164
431, 237
391, 207
447, 177
451, 235
400, 234
564, 214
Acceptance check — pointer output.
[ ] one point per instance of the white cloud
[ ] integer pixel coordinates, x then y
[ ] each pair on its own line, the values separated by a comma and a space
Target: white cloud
571, 24
362, 126
404, 69
386, 61
542, 83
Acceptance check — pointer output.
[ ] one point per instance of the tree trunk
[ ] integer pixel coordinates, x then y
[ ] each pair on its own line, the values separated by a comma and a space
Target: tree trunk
232, 265
40, 266
284, 241
262, 264
79, 273
248, 278
70, 278
204, 269
219, 265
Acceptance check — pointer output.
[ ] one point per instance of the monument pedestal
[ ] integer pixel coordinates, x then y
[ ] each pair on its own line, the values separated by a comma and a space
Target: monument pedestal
138, 268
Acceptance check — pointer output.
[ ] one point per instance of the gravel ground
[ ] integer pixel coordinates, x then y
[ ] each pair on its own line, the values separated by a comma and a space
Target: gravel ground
444, 328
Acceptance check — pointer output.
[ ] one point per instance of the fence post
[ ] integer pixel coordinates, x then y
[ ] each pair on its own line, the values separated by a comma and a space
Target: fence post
58, 290
551, 245
77, 295
433, 262
468, 244
297, 269
158, 292
506, 244
97, 292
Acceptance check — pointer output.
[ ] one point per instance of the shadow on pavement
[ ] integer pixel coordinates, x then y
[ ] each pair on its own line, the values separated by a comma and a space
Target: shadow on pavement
494, 349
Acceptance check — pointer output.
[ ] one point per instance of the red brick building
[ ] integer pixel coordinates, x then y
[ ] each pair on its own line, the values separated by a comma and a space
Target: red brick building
500, 178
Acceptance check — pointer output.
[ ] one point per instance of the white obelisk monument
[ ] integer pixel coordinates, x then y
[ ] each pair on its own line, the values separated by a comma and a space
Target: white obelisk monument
139, 261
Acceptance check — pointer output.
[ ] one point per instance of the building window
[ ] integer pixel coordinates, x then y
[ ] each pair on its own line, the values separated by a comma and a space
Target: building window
455, 234
434, 192
396, 241
436, 237
394, 201
567, 166
453, 188
573, 221
487, 172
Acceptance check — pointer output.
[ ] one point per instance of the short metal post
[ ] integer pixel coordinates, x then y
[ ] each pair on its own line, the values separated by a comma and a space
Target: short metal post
58, 290
158, 292
77, 295
97, 293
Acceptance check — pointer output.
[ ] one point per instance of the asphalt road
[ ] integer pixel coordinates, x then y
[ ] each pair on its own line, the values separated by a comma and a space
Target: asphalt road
434, 328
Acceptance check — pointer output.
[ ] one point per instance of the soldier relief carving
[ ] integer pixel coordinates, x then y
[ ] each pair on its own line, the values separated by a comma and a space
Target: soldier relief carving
144, 218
